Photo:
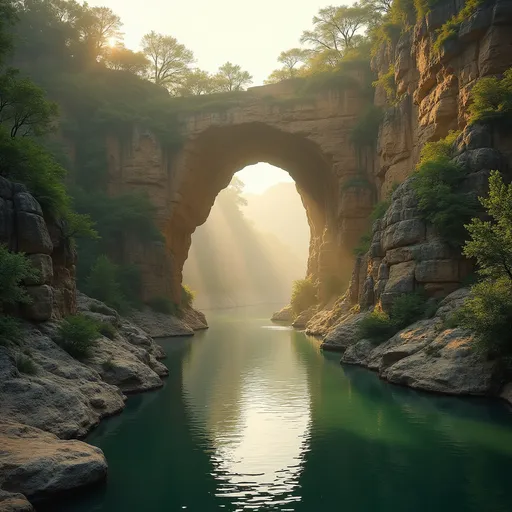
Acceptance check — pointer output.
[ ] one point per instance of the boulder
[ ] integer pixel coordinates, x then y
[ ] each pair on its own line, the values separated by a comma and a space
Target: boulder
160, 325
39, 465
33, 236
14, 502
284, 315
358, 353
406, 232
401, 280
437, 271
41, 305
43, 264
24, 202
344, 334
302, 320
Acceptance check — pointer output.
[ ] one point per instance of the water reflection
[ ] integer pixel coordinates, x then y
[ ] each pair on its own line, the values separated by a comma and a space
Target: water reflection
260, 419
255, 414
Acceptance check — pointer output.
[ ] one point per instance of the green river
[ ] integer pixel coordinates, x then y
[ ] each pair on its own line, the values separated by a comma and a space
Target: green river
256, 417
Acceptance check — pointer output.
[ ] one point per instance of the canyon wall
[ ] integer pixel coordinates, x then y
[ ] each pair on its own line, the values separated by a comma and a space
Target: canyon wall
24, 229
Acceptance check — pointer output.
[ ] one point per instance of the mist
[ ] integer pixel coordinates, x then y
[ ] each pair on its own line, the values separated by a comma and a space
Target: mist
251, 248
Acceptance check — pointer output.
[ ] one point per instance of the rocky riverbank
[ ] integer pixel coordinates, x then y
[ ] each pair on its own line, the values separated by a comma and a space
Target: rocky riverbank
428, 355
61, 399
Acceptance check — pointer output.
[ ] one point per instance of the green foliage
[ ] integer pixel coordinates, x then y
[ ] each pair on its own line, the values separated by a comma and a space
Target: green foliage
25, 161
441, 199
187, 296
488, 313
304, 295
366, 129
14, 269
388, 83
406, 309
492, 98
162, 305
107, 330
10, 330
25, 364
380, 209
103, 284
77, 335
450, 29
24, 109
376, 327
364, 245
491, 240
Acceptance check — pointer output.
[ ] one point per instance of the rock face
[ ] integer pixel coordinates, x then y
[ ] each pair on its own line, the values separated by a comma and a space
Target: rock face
38, 464
68, 397
159, 325
285, 315
425, 355
23, 229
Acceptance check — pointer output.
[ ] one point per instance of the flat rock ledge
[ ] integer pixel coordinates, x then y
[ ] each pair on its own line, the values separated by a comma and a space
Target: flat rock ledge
62, 398
37, 464
285, 315
160, 325
425, 356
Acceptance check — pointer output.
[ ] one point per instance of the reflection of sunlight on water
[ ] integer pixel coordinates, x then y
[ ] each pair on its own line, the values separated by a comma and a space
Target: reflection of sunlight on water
263, 462
257, 423
277, 327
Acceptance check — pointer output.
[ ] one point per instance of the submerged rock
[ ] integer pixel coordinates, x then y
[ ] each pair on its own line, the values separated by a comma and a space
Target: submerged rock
38, 464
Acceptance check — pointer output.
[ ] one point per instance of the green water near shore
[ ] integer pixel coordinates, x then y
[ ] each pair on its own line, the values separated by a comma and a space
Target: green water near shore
256, 417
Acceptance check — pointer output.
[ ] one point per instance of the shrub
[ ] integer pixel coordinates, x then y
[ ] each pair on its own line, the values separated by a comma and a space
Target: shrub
364, 245
107, 330
406, 309
103, 285
376, 327
388, 83
162, 305
303, 295
491, 98
438, 185
14, 269
187, 296
25, 364
491, 241
10, 330
366, 129
23, 160
450, 29
77, 335
488, 313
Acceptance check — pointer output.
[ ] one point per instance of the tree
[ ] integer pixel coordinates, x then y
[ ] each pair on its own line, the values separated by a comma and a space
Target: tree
336, 29
169, 60
231, 77
7, 18
291, 61
24, 107
196, 82
98, 27
491, 241
121, 58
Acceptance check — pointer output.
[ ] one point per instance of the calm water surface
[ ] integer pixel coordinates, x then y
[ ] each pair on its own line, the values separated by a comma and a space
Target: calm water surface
255, 417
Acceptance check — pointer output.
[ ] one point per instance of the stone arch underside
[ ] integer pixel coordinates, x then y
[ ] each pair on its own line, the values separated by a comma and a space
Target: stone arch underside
210, 160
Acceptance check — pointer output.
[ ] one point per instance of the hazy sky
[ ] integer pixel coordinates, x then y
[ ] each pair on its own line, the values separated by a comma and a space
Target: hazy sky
251, 34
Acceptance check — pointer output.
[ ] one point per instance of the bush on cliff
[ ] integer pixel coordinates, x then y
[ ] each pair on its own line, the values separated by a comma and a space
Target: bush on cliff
488, 310
438, 185
77, 335
14, 269
163, 305
187, 296
378, 326
304, 295
492, 98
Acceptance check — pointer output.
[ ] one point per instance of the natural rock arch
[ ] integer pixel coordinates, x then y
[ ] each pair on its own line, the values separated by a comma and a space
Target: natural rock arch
308, 138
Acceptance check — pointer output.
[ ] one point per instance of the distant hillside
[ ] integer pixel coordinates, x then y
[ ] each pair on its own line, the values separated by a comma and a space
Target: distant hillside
279, 211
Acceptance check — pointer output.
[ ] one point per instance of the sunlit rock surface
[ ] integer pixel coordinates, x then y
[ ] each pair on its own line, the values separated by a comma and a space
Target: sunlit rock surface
38, 464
